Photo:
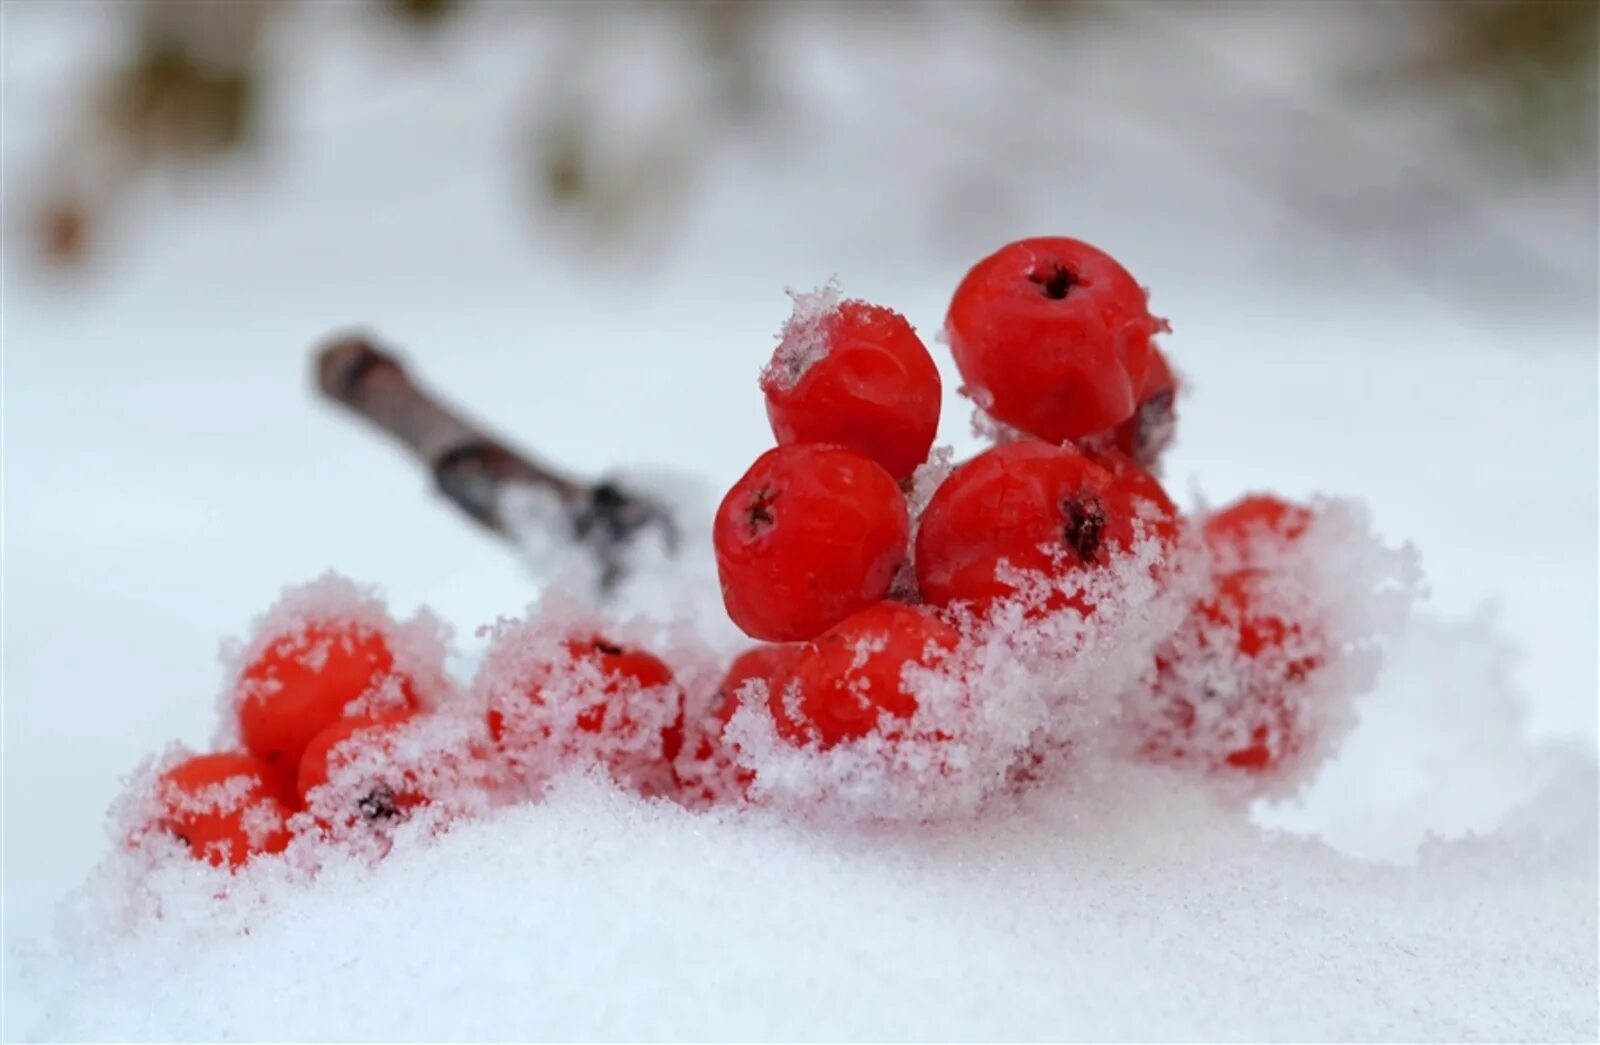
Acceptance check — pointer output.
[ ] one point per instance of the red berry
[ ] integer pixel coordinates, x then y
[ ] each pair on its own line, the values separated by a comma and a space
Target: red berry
224, 807
1244, 633
389, 793
609, 679
302, 683
1254, 525
759, 662
1041, 508
838, 686
1146, 434
1054, 335
856, 376
809, 535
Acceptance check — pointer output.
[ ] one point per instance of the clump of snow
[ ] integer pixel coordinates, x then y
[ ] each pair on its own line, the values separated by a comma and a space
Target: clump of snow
1322, 607
429, 771
805, 336
1025, 688
539, 524
1442, 750
558, 709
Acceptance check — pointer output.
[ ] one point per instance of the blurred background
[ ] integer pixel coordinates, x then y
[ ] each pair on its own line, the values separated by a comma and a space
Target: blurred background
1372, 225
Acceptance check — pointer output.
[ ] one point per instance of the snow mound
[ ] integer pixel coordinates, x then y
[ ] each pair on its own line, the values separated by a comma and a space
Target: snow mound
1147, 912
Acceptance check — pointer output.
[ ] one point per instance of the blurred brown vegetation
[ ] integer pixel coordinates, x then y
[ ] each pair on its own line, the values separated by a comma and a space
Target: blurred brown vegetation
1515, 80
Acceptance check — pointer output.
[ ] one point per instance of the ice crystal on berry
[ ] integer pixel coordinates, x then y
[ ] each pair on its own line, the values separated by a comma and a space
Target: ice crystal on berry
804, 338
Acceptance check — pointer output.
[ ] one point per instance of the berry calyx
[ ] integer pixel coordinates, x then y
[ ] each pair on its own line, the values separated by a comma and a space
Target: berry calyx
1053, 336
809, 535
356, 756
858, 376
1029, 506
304, 680
225, 807
1248, 532
841, 685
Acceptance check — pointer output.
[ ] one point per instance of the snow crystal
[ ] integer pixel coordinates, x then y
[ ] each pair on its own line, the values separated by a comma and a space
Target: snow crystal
804, 338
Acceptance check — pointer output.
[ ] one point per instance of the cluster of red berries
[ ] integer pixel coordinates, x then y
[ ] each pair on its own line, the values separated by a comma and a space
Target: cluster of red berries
819, 554
310, 698
325, 713
823, 559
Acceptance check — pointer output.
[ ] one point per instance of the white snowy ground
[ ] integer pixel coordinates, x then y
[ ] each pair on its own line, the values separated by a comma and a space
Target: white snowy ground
166, 473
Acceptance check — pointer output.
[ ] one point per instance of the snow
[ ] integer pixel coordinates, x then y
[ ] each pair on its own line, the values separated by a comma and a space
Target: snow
166, 472
598, 916
805, 336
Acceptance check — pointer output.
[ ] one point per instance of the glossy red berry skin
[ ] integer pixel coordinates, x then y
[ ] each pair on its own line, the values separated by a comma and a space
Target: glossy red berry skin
1146, 435
1269, 654
841, 686
1250, 530
1054, 336
390, 796
302, 683
875, 389
1037, 507
222, 820
807, 536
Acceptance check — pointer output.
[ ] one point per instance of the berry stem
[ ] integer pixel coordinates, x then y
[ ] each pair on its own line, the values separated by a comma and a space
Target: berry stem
474, 469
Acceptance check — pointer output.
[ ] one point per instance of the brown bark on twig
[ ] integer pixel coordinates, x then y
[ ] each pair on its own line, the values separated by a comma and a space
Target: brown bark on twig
473, 468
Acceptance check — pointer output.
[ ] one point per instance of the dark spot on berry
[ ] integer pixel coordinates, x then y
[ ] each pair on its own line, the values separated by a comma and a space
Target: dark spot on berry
1085, 525
1055, 281
602, 646
379, 804
760, 515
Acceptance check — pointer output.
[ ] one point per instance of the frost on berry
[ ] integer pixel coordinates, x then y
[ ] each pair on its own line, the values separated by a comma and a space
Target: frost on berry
1258, 685
308, 620
928, 477
1024, 686
805, 335
558, 701
391, 769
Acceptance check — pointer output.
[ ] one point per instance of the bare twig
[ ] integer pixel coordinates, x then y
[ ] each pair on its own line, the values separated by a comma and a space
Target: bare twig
476, 470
